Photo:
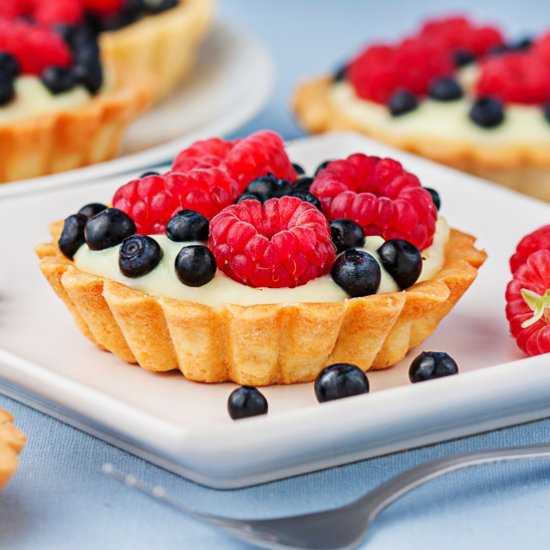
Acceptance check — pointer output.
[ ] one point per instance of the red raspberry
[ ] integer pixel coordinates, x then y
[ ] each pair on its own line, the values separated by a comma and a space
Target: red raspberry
381, 70
244, 160
281, 243
34, 48
103, 7
50, 13
153, 200
541, 48
457, 32
515, 78
10, 9
537, 240
528, 304
380, 196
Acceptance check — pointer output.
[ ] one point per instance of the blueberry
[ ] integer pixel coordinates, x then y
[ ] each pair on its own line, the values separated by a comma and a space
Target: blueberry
357, 272
402, 102
340, 380
158, 6
149, 173
187, 225
340, 74
487, 112
7, 92
546, 111
90, 210
246, 401
268, 187
307, 197
72, 236
498, 50
65, 31
195, 265
247, 197
58, 79
298, 169
126, 16
435, 197
322, 166
463, 57
446, 89
346, 234
138, 255
432, 364
302, 184
9, 66
90, 75
402, 261
108, 228
522, 44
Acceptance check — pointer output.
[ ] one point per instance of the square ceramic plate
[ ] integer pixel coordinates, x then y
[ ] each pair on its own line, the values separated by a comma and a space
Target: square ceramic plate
184, 426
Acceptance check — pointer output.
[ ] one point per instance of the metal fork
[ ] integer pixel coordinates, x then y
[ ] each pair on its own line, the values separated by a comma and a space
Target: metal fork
340, 528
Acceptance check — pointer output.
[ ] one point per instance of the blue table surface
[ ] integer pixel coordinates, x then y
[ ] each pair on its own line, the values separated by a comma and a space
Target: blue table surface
59, 497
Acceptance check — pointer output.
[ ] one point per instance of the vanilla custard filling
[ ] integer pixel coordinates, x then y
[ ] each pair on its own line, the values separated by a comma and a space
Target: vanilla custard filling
444, 120
33, 99
222, 290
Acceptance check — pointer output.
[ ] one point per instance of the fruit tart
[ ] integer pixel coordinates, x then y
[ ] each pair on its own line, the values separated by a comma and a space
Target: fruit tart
234, 266
455, 92
12, 442
60, 107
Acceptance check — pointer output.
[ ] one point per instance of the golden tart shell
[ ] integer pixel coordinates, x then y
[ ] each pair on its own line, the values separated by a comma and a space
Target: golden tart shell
262, 344
12, 442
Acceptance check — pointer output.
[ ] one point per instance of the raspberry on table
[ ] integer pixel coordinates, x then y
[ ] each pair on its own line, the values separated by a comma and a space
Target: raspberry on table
536, 240
528, 304
380, 196
283, 242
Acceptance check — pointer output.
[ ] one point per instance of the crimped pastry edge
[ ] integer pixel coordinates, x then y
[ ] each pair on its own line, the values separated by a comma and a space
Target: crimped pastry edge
262, 344
73, 138
523, 168
163, 46
12, 442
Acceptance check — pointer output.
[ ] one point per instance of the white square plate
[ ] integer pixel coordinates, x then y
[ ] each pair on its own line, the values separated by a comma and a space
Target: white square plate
183, 426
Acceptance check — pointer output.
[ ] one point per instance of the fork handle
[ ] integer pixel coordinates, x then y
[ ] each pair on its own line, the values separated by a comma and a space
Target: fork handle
380, 498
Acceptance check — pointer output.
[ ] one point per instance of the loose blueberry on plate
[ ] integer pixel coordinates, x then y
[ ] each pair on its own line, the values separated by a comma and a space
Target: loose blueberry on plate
195, 265
138, 256
302, 184
402, 102
356, 272
187, 225
90, 210
307, 197
58, 79
446, 89
72, 236
346, 234
463, 57
487, 112
402, 260
9, 66
340, 380
435, 197
108, 228
432, 364
322, 166
298, 169
245, 402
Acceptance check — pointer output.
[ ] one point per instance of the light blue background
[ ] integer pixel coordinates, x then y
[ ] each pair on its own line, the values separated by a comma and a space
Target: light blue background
59, 498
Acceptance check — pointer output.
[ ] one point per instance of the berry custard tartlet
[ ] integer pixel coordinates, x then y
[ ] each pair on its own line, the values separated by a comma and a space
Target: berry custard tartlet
12, 442
60, 108
455, 92
234, 266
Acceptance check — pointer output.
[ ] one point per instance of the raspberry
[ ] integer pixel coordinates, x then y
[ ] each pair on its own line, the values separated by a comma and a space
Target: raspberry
515, 78
380, 196
528, 304
153, 200
34, 48
244, 160
458, 33
103, 7
537, 240
381, 70
283, 242
541, 48
48, 14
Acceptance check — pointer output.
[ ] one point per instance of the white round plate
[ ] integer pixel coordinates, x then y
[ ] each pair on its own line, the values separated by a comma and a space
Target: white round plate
230, 84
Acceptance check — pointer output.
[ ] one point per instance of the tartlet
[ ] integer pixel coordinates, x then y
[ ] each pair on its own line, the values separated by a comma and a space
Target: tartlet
60, 109
477, 103
12, 442
208, 334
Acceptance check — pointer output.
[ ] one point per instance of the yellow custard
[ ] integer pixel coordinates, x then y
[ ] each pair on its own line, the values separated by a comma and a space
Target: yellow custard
163, 281
33, 99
